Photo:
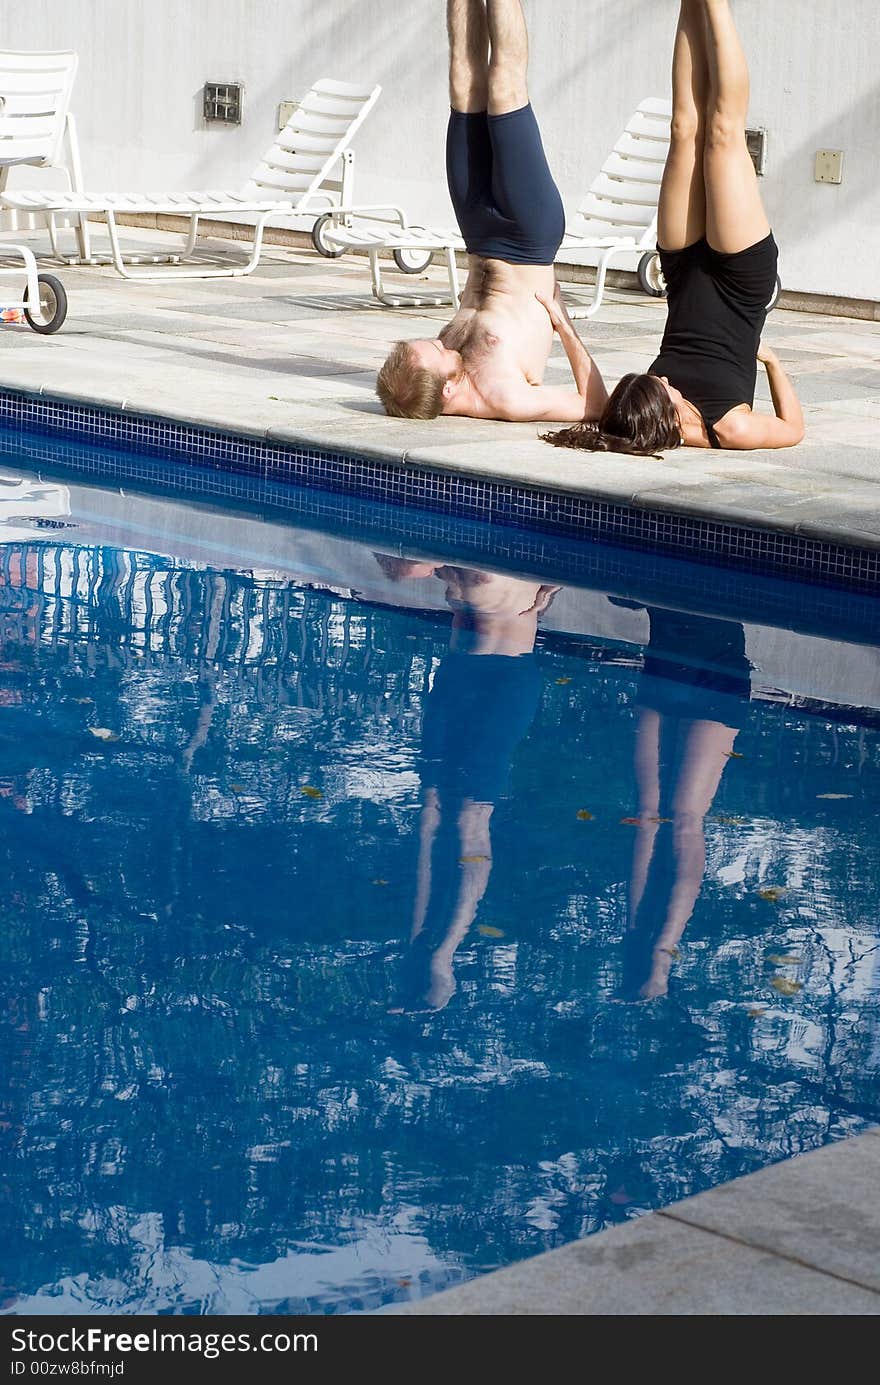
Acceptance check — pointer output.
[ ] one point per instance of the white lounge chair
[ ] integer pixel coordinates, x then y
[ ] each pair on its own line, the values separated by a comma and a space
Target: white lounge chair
618, 216
36, 127
309, 169
384, 229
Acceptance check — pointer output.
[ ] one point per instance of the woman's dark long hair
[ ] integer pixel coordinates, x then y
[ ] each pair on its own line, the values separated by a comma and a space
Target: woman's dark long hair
639, 419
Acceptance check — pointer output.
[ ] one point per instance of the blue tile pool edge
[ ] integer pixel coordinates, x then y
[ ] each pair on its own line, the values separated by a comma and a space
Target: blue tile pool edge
495, 502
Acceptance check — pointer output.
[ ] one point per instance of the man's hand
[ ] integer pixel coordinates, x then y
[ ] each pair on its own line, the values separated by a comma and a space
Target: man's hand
555, 311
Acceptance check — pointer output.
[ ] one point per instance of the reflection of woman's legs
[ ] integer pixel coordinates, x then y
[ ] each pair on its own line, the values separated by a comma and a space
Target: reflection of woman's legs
681, 217
647, 767
681, 788
735, 216
704, 755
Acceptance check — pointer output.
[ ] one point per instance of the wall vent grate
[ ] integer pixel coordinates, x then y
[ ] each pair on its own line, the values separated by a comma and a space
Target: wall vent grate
222, 102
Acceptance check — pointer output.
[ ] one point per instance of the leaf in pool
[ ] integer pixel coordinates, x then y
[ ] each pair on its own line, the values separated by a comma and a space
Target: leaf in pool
834, 796
734, 755
658, 819
310, 791
237, 788
486, 931
471, 860
772, 894
379, 882
778, 959
630, 822
673, 952
784, 986
103, 733
755, 1012
620, 1197
561, 682
584, 816
274, 396
404, 1283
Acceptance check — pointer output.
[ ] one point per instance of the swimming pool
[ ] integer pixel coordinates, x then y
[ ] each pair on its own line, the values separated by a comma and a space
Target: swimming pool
379, 914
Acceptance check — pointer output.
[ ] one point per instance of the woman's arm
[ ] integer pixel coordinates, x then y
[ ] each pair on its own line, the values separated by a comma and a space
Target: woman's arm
750, 430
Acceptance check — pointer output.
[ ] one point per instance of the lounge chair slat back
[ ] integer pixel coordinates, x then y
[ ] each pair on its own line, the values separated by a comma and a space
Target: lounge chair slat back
35, 91
619, 213
328, 117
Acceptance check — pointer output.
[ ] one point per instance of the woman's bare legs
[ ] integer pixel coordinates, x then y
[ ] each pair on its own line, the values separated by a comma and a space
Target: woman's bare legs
681, 217
468, 55
735, 215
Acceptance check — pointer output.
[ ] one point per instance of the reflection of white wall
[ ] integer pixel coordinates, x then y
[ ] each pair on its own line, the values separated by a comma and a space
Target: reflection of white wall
801, 664
26, 498
815, 85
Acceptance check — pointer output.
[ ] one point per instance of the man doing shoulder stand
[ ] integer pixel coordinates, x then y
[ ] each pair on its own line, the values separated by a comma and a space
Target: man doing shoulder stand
490, 360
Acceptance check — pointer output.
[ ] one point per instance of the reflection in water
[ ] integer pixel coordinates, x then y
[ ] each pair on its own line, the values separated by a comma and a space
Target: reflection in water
692, 700
216, 793
483, 699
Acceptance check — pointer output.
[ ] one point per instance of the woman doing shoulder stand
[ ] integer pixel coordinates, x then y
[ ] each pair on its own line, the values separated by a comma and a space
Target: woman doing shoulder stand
719, 259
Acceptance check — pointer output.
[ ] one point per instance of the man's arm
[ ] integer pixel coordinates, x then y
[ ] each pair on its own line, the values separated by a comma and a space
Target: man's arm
587, 376
745, 431
524, 403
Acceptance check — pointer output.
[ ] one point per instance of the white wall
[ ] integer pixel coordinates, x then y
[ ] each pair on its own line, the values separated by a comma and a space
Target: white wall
815, 71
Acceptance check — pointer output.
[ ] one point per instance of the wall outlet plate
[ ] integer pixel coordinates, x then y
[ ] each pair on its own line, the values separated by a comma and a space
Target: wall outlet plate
829, 166
285, 110
756, 143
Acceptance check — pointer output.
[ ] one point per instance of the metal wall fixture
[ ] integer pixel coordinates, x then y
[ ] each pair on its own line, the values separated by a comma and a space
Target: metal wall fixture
756, 143
222, 102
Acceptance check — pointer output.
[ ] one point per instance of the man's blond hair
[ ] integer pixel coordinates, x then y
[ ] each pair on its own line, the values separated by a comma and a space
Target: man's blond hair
408, 390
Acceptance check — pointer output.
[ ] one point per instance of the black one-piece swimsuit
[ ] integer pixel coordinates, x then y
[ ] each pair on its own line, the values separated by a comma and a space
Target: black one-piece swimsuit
717, 310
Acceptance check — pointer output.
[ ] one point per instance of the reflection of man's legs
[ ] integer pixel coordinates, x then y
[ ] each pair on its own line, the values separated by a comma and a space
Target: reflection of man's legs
465, 858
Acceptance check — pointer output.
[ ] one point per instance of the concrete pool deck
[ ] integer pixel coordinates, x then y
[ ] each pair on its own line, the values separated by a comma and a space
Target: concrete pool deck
291, 352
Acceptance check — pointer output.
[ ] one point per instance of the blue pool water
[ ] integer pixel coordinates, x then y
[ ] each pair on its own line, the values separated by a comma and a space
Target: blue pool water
377, 916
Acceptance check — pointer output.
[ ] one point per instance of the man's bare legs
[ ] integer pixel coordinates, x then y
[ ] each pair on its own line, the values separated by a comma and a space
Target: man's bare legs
468, 55
681, 215
480, 79
735, 216
509, 62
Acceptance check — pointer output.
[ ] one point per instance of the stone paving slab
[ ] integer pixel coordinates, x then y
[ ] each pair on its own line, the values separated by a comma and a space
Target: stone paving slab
799, 1239
294, 347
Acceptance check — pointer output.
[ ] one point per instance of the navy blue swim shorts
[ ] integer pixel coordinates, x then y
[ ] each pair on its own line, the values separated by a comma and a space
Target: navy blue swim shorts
507, 205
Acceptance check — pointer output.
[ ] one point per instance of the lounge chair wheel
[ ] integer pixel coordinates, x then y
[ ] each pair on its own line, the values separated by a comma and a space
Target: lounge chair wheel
324, 247
774, 297
651, 275
52, 307
413, 261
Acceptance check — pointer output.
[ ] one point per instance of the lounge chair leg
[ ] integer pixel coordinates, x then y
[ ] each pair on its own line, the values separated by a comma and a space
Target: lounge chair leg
376, 275
454, 286
191, 238
599, 291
